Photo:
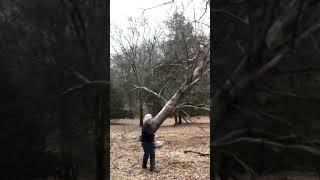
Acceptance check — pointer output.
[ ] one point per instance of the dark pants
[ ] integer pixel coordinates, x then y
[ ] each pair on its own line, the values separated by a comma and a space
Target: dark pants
148, 148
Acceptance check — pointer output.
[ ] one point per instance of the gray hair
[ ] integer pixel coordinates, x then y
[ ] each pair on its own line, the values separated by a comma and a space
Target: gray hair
147, 117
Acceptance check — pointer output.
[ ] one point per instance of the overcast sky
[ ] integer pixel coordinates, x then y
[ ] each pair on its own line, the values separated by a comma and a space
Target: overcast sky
120, 10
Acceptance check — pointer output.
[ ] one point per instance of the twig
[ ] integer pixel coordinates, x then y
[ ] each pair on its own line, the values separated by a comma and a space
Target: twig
80, 76
143, 10
290, 94
241, 162
204, 10
200, 153
231, 15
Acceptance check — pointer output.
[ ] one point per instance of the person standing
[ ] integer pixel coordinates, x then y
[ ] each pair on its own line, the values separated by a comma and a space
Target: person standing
147, 142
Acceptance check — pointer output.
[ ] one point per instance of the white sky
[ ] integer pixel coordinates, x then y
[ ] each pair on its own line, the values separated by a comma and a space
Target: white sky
120, 10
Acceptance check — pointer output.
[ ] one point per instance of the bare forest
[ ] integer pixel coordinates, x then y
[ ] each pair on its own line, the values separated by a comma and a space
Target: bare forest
265, 89
232, 87
164, 71
54, 104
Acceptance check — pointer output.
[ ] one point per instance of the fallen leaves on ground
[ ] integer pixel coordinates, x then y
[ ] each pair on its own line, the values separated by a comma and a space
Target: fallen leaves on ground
126, 152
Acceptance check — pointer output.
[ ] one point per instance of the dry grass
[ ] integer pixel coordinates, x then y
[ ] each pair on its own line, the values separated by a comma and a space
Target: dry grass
173, 163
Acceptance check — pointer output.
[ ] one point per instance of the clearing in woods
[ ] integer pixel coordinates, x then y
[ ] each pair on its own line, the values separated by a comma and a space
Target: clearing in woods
126, 152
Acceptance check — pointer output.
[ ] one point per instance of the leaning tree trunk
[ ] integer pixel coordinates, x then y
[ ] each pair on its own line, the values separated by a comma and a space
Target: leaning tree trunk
199, 68
168, 107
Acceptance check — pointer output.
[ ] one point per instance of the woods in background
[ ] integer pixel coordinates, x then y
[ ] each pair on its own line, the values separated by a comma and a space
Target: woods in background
265, 86
148, 68
54, 104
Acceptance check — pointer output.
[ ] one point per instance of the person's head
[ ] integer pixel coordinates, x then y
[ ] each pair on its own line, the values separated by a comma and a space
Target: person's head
147, 117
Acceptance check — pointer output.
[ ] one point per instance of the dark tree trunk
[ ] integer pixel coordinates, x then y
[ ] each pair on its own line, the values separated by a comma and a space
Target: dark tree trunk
175, 118
66, 139
100, 136
141, 108
180, 119
129, 102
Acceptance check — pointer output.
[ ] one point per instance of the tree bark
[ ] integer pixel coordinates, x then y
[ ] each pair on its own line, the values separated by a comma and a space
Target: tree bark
175, 118
100, 136
141, 108
168, 108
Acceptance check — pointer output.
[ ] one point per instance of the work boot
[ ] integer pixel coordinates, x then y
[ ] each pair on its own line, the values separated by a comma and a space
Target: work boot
152, 163
144, 163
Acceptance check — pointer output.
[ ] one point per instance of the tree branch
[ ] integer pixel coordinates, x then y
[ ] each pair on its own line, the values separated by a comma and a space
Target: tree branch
150, 91
241, 162
299, 70
200, 153
217, 11
273, 62
186, 115
271, 144
293, 95
93, 84
168, 64
143, 10
80, 76
266, 114
205, 10
195, 107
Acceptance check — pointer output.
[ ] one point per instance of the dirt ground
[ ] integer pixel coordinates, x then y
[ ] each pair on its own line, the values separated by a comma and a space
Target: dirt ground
173, 163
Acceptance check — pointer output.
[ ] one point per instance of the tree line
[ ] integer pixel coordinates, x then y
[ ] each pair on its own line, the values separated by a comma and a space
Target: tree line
148, 68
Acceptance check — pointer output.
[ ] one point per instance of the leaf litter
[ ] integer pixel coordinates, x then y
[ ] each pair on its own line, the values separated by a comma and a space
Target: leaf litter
126, 151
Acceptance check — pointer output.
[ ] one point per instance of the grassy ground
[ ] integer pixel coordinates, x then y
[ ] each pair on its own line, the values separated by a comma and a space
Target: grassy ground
173, 163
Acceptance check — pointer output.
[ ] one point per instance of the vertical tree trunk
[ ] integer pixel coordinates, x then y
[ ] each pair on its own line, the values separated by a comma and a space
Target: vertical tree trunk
66, 138
129, 103
100, 136
141, 107
175, 118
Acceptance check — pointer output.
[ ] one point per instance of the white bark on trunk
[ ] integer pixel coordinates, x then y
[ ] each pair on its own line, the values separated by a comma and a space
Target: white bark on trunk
169, 106
199, 68
166, 110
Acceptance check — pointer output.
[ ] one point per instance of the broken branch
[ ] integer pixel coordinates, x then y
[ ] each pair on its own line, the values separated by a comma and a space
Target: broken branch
200, 153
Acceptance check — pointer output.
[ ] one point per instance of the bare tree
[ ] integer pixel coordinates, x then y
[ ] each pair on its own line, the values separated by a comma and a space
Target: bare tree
185, 63
266, 40
137, 54
195, 71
